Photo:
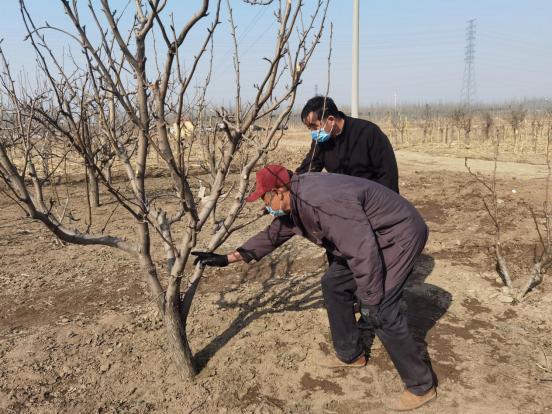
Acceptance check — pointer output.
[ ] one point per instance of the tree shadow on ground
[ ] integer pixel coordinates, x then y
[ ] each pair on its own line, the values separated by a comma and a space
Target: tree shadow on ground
426, 303
288, 284
293, 284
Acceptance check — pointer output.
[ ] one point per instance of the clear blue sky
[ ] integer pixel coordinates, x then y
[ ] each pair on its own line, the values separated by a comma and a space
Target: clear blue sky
412, 48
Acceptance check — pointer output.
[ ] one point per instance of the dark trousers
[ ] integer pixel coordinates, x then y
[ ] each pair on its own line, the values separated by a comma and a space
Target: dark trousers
389, 324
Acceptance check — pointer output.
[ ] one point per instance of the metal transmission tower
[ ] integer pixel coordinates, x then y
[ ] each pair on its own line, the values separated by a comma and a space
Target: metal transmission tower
468, 82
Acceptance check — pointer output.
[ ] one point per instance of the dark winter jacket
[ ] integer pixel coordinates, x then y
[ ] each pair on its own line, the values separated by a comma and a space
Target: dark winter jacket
353, 219
360, 150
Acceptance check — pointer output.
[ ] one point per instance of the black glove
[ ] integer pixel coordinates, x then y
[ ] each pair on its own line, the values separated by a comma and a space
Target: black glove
370, 313
210, 259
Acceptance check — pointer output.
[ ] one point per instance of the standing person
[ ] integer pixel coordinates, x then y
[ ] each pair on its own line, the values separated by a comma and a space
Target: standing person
350, 146
377, 234
345, 145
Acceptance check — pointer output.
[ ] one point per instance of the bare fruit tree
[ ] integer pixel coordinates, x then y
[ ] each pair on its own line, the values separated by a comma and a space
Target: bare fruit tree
516, 117
462, 120
487, 122
400, 124
111, 109
428, 123
542, 220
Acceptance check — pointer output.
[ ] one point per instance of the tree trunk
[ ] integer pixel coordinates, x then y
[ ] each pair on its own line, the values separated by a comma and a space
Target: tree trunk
93, 187
108, 174
179, 349
535, 279
213, 220
176, 315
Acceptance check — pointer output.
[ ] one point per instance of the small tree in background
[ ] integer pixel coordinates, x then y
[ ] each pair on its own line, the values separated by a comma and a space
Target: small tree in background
400, 125
516, 116
487, 121
542, 257
428, 122
462, 120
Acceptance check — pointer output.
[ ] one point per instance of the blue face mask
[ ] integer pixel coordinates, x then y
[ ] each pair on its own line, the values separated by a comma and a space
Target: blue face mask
275, 213
320, 135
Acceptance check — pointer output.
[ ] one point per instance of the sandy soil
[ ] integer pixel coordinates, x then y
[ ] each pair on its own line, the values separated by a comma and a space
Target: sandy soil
78, 332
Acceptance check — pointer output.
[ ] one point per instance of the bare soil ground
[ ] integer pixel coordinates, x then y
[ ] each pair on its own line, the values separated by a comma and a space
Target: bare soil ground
78, 332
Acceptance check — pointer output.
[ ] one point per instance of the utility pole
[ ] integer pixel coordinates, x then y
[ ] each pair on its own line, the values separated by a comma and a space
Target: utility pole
354, 90
468, 81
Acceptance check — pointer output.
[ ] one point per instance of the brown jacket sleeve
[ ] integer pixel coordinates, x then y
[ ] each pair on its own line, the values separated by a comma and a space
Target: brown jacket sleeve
354, 238
268, 240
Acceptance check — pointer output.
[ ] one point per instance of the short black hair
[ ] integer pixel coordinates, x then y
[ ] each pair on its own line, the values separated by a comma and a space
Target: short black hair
321, 106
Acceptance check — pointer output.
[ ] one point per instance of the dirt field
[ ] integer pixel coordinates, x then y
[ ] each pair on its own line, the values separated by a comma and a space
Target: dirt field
78, 333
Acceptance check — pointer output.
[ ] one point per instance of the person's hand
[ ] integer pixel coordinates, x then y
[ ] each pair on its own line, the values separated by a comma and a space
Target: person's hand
210, 259
369, 313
